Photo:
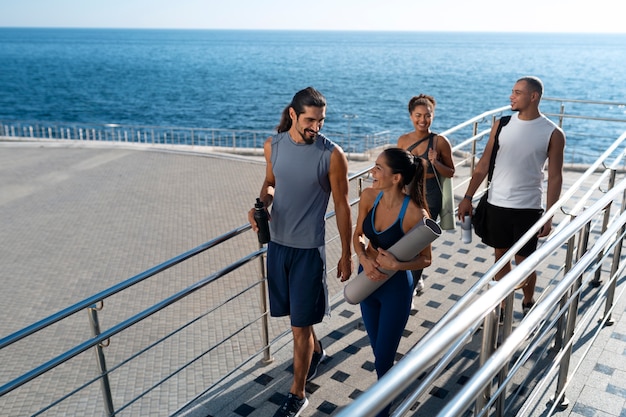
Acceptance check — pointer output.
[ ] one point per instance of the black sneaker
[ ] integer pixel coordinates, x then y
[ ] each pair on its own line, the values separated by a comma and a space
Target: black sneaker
292, 407
315, 362
526, 307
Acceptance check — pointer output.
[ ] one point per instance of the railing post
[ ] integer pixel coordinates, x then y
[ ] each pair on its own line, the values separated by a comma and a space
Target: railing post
489, 345
100, 360
605, 221
485, 351
569, 256
617, 253
473, 160
572, 315
507, 329
267, 354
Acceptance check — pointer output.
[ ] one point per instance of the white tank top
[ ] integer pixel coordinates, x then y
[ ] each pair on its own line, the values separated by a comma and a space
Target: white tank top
518, 174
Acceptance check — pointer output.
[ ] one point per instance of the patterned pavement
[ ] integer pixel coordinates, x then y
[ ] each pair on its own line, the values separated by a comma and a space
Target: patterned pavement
78, 219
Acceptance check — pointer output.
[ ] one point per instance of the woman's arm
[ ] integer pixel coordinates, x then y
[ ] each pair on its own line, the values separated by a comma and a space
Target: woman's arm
414, 215
365, 253
386, 260
441, 157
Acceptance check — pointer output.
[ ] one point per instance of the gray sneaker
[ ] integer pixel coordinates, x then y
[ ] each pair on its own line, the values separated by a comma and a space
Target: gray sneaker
419, 287
292, 407
315, 362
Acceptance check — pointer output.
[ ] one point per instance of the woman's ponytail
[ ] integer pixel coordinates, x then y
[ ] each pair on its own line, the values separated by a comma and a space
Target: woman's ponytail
417, 187
413, 171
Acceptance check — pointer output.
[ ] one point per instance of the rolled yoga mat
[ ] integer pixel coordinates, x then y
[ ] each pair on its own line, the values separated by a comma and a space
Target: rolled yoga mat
405, 249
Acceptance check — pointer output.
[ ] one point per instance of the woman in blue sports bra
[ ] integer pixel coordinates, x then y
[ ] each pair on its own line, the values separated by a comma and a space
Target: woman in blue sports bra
386, 213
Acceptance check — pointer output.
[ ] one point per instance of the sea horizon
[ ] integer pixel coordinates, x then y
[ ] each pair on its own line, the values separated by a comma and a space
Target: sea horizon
317, 30
241, 79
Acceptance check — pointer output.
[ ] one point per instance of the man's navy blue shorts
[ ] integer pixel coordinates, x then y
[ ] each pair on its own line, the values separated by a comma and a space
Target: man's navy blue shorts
505, 226
297, 284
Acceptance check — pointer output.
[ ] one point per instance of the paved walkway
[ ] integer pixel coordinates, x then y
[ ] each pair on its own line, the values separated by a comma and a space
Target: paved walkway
75, 220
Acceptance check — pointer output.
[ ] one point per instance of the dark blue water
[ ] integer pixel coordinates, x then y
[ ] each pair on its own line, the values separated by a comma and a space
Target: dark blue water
243, 79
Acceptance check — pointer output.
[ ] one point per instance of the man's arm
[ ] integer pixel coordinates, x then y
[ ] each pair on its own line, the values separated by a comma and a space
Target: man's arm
338, 177
556, 150
480, 172
267, 189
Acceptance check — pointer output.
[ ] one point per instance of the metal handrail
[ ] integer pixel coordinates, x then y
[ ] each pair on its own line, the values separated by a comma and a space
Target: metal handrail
94, 299
90, 301
417, 361
542, 309
109, 333
453, 325
573, 100
243, 140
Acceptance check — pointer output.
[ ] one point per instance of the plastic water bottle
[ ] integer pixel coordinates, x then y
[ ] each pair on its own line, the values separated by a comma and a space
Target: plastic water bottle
466, 229
260, 217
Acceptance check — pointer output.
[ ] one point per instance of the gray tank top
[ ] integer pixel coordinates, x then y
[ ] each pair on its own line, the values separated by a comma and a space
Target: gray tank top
302, 191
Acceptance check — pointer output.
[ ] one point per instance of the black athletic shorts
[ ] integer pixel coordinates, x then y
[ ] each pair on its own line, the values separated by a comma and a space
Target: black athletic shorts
505, 226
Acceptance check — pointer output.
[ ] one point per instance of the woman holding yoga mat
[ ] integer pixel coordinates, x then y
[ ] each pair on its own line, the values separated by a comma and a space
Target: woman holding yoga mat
386, 213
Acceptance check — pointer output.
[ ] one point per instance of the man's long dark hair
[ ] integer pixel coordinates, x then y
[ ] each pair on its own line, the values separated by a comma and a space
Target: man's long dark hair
303, 98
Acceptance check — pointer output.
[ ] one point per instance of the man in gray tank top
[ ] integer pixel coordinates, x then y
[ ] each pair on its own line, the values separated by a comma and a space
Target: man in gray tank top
303, 169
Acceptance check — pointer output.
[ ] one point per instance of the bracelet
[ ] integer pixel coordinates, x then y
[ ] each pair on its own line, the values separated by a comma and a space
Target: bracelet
469, 197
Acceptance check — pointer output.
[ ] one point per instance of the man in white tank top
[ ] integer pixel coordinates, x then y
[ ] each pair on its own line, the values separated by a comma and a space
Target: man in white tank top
515, 194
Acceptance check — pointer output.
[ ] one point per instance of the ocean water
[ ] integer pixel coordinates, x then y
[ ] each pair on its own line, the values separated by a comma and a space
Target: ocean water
243, 79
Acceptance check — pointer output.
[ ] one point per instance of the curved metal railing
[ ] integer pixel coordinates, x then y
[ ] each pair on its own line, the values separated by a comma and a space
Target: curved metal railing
441, 344
467, 146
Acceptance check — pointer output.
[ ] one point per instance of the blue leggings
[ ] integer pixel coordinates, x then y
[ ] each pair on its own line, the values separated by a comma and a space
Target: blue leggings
385, 314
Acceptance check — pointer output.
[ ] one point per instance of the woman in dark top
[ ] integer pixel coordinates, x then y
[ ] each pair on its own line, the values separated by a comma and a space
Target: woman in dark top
386, 213
436, 149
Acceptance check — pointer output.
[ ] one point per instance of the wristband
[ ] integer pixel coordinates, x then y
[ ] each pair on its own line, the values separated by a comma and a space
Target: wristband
469, 197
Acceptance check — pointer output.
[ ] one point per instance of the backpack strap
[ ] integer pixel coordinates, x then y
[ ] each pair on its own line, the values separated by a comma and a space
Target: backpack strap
410, 148
492, 161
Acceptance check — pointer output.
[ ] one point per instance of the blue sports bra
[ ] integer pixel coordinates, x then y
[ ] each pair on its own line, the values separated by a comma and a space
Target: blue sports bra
386, 238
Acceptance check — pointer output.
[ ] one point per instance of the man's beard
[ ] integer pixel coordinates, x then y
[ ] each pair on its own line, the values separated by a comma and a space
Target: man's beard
305, 137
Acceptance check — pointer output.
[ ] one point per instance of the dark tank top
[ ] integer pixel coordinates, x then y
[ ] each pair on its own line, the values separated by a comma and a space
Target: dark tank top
386, 238
424, 155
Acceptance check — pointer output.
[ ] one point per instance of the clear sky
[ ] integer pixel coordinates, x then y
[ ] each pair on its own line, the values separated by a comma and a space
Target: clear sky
590, 16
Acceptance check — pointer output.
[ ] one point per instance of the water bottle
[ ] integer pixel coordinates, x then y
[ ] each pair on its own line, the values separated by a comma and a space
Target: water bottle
260, 217
466, 229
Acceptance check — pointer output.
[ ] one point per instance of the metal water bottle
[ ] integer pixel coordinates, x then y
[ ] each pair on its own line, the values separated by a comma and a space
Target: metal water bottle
260, 217
466, 229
